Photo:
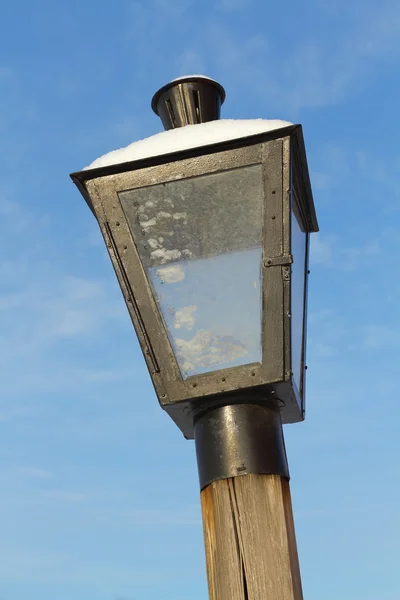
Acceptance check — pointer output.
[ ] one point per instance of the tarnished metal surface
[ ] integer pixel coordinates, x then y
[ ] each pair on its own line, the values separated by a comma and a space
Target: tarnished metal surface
239, 439
187, 101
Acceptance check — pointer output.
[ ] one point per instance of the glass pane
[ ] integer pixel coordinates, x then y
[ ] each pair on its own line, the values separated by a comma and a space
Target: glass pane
299, 241
199, 240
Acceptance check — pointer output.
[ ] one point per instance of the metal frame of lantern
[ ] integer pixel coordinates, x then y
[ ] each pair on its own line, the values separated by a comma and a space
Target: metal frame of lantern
286, 180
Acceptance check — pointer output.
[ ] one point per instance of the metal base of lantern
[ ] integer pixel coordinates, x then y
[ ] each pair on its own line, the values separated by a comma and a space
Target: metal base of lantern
238, 439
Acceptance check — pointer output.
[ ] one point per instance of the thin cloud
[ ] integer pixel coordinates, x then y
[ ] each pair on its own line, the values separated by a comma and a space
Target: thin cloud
34, 472
183, 516
321, 181
321, 249
328, 251
234, 5
64, 495
377, 336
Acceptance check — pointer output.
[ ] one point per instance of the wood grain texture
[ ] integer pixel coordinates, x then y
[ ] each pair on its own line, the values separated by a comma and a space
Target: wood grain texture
249, 539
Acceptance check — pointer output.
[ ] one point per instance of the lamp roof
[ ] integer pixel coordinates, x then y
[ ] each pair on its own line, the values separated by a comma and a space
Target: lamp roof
190, 136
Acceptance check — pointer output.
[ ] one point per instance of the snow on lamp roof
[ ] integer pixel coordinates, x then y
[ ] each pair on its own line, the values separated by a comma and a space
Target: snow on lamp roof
193, 76
185, 138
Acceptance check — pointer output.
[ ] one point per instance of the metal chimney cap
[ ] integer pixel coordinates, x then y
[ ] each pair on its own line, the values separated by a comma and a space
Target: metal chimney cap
183, 80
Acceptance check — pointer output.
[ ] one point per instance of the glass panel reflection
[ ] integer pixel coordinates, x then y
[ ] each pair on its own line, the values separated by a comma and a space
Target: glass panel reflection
299, 245
199, 240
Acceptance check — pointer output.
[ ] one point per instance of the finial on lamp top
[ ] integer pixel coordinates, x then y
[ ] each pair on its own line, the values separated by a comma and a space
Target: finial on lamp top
188, 100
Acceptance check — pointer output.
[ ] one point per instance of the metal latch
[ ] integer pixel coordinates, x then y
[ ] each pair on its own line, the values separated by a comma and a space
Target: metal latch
278, 261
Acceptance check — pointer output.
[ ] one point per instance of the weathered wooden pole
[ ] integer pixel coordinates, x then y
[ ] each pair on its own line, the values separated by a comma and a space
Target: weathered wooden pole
245, 497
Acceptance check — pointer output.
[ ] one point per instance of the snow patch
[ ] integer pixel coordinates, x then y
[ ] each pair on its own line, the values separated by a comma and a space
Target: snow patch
180, 216
190, 136
146, 224
154, 244
164, 255
190, 76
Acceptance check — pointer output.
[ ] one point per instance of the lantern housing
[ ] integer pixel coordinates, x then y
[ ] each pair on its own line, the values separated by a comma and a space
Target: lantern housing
210, 246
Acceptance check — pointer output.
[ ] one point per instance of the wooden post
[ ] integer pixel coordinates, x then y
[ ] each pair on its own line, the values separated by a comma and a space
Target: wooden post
249, 539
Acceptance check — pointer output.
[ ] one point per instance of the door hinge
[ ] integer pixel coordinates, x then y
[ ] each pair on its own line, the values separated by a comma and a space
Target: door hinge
278, 261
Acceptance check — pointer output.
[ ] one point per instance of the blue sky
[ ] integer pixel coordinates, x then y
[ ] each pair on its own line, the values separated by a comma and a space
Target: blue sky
98, 489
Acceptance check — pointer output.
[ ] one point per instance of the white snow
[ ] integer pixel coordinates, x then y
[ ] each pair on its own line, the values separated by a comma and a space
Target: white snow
190, 136
190, 76
154, 244
149, 223
165, 255
180, 216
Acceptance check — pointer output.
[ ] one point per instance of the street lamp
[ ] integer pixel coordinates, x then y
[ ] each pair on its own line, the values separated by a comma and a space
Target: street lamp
207, 226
